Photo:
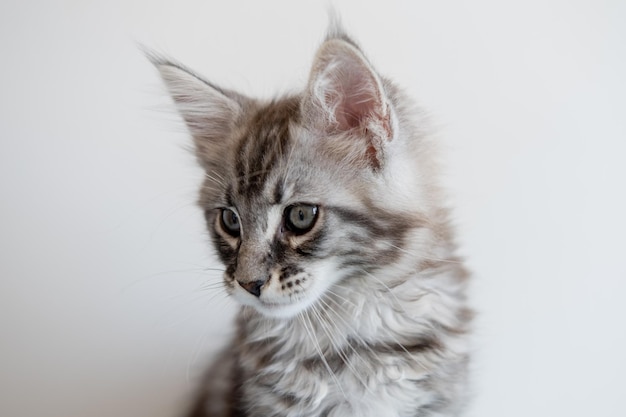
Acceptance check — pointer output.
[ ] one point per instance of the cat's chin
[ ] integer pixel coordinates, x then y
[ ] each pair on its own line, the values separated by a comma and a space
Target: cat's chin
280, 310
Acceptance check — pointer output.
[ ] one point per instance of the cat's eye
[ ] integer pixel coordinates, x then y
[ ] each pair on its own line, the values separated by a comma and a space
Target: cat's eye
300, 218
230, 222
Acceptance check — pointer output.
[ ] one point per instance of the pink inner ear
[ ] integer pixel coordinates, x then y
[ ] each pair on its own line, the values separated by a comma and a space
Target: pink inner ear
348, 97
357, 99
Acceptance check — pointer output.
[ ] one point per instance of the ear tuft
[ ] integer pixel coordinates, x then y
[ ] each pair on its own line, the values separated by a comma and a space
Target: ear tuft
204, 107
209, 111
335, 26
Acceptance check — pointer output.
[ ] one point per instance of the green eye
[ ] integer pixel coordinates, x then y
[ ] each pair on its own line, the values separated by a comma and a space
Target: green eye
230, 222
300, 218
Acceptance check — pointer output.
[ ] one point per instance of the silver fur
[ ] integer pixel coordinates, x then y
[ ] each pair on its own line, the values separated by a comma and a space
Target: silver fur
363, 316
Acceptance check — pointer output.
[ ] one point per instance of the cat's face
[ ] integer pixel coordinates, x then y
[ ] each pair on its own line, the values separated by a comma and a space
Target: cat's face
288, 220
299, 193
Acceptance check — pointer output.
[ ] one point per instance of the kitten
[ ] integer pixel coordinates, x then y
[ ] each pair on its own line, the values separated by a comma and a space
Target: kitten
325, 211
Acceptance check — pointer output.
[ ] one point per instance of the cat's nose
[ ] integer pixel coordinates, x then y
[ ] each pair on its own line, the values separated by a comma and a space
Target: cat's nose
253, 287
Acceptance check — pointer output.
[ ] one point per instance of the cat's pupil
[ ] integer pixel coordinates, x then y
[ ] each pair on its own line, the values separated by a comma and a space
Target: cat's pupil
300, 218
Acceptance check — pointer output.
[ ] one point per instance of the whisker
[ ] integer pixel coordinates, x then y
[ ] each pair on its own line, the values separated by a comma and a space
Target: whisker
389, 291
304, 316
202, 296
329, 291
216, 178
196, 352
164, 273
331, 338
355, 334
428, 258
385, 330
210, 284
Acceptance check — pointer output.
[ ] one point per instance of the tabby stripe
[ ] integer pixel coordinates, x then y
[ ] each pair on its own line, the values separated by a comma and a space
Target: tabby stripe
420, 346
264, 143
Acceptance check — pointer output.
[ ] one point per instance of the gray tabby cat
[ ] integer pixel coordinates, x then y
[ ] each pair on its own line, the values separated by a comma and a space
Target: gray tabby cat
325, 210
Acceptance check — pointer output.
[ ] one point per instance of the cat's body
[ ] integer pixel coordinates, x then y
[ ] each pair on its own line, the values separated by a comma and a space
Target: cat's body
325, 210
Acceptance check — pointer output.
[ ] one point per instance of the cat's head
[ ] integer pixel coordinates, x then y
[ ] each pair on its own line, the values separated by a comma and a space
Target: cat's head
306, 192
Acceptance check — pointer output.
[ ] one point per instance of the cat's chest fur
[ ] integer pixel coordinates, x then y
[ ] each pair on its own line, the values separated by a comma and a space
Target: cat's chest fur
350, 362
305, 387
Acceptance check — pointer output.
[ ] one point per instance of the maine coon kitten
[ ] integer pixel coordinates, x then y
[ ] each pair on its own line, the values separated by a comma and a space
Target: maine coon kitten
324, 208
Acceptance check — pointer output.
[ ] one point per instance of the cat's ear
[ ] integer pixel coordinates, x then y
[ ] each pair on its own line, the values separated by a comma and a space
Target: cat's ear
345, 95
209, 111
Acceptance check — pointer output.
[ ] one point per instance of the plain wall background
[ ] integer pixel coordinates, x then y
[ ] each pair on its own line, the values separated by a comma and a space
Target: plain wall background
105, 306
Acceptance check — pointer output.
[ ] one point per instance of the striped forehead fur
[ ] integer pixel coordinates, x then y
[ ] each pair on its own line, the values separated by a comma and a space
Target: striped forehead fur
264, 142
